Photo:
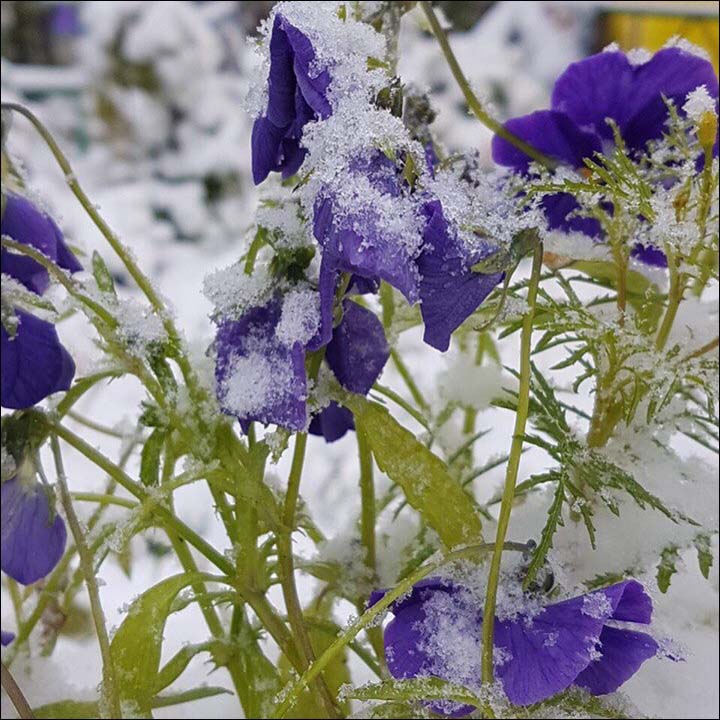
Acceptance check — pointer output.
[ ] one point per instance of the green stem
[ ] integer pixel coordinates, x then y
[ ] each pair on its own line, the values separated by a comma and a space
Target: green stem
407, 377
109, 683
512, 469
473, 102
675, 294
168, 519
708, 347
367, 500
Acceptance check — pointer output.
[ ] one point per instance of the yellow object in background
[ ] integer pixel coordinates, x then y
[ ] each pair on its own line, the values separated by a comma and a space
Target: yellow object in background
651, 24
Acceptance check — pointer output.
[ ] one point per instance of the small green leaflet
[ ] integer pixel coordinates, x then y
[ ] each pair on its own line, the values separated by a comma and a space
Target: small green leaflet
423, 477
667, 567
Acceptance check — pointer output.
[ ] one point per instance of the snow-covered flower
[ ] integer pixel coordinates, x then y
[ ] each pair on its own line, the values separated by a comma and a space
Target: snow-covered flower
297, 94
605, 86
34, 363
583, 641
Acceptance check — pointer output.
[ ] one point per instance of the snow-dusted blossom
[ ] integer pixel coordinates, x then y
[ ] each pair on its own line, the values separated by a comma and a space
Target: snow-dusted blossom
437, 632
34, 363
601, 87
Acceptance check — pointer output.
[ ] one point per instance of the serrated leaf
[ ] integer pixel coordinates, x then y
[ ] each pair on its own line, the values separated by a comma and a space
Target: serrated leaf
150, 457
423, 477
546, 537
667, 567
415, 690
103, 276
137, 645
704, 553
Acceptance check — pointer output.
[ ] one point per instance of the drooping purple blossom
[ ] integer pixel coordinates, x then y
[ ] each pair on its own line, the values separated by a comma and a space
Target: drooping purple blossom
297, 94
33, 536
606, 85
34, 363
358, 236
583, 641
260, 378
6, 637
450, 291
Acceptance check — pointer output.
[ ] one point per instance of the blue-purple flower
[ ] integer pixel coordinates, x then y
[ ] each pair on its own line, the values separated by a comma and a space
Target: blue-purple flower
297, 95
34, 363
607, 85
33, 535
261, 376
586, 641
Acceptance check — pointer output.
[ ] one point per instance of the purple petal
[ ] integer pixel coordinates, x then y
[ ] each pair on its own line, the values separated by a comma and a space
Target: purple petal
34, 363
418, 592
596, 88
623, 652
266, 149
6, 638
671, 72
32, 543
327, 285
25, 223
258, 378
281, 80
552, 133
629, 601
358, 350
558, 209
449, 290
332, 422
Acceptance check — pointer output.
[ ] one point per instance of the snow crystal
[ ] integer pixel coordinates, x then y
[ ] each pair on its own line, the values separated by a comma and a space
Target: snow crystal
139, 325
698, 103
597, 605
684, 44
300, 317
638, 56
248, 385
233, 292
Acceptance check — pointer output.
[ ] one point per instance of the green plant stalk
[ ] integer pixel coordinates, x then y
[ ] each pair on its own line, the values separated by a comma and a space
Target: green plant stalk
109, 683
675, 295
473, 102
407, 377
488, 630
371, 614
168, 519
286, 566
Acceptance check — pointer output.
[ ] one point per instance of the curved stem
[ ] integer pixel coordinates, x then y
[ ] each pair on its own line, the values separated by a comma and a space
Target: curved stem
513, 466
708, 347
367, 500
109, 684
675, 293
472, 100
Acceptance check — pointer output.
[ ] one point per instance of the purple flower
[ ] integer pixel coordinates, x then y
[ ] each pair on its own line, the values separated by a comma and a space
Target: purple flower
449, 290
604, 86
6, 638
260, 377
369, 227
34, 363
297, 94
33, 536
583, 641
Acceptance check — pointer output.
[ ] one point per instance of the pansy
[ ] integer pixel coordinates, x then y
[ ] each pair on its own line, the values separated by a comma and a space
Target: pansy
260, 371
605, 86
6, 637
539, 651
33, 535
34, 363
297, 95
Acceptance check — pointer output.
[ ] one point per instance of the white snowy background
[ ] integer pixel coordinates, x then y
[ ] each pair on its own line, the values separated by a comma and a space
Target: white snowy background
154, 199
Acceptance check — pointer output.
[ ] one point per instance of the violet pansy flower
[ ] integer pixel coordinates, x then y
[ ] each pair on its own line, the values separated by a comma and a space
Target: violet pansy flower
33, 535
297, 95
34, 363
606, 85
586, 641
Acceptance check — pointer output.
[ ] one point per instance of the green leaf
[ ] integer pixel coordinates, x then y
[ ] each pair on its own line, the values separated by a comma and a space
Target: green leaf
82, 385
667, 567
423, 477
137, 645
70, 709
546, 538
150, 457
174, 667
704, 552
103, 276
